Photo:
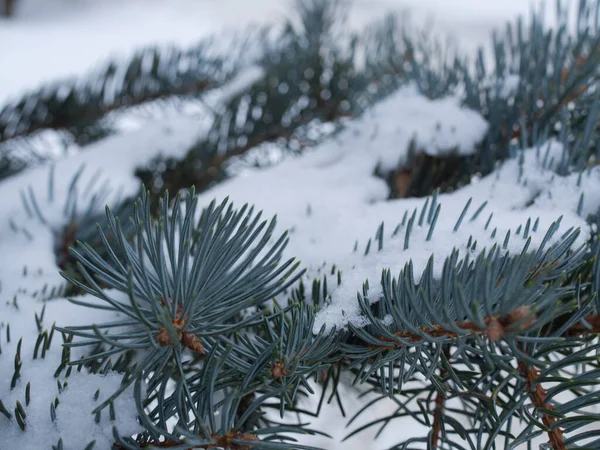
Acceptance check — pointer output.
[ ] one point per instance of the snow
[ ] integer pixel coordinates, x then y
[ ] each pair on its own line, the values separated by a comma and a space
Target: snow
506, 197
106, 29
508, 86
74, 421
115, 28
30, 275
329, 198
440, 127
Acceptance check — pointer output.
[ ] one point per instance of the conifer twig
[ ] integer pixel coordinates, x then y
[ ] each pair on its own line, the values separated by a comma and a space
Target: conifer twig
495, 327
537, 394
65, 120
226, 441
440, 405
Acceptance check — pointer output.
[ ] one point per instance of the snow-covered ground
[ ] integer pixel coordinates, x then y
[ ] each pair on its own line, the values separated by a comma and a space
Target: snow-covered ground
328, 198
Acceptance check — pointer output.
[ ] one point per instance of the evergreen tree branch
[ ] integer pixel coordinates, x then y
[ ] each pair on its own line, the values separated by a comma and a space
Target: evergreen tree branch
440, 405
150, 74
71, 118
537, 394
9, 7
232, 440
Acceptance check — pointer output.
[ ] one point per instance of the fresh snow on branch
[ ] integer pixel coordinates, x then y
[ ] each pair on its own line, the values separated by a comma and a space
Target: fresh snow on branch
328, 198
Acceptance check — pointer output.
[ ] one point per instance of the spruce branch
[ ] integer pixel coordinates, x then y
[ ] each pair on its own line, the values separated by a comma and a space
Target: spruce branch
231, 440
494, 327
440, 405
538, 397
540, 84
185, 282
285, 352
518, 293
467, 327
551, 71
81, 213
309, 77
150, 74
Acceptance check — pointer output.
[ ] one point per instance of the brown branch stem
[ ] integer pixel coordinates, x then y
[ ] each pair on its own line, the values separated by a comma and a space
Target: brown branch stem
537, 394
66, 119
226, 441
440, 405
495, 327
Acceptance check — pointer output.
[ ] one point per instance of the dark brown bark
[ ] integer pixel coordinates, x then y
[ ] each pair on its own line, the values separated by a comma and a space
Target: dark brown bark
440, 405
9, 8
537, 394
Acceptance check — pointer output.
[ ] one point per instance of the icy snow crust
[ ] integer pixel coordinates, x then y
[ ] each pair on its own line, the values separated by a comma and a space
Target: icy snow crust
327, 198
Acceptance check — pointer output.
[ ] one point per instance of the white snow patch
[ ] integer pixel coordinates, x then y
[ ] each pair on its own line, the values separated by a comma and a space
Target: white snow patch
509, 85
80, 34
507, 195
329, 198
74, 423
30, 273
